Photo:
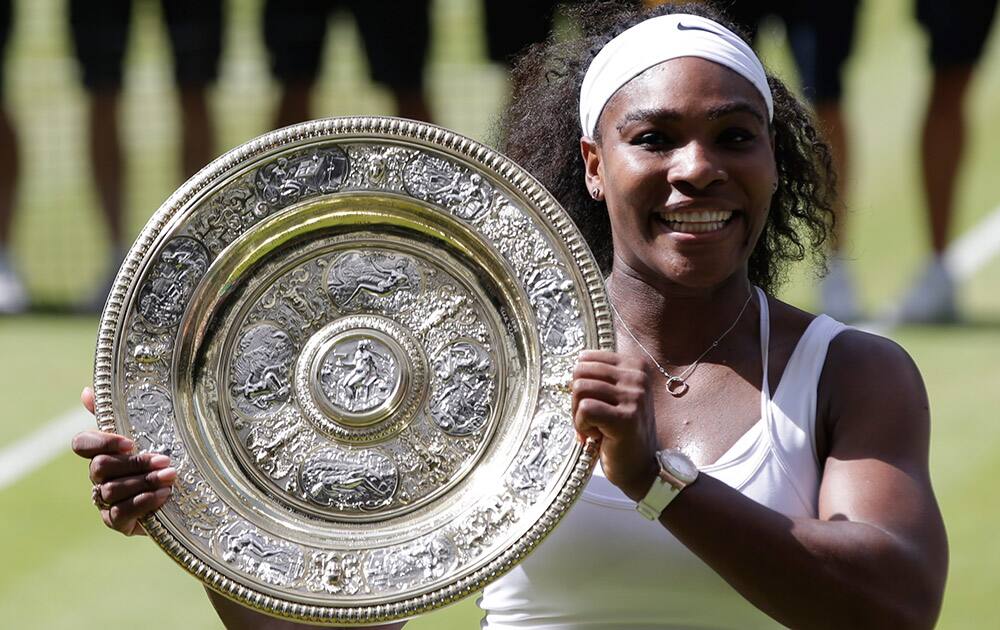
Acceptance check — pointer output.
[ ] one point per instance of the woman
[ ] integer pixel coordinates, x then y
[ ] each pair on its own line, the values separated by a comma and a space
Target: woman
692, 174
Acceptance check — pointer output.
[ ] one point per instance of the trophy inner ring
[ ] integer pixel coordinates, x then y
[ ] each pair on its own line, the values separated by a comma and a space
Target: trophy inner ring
355, 373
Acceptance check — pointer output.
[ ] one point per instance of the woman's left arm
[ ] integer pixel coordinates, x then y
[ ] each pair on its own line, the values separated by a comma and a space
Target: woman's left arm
876, 556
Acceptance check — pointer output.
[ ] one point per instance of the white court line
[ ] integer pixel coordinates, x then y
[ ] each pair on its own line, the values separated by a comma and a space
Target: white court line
970, 253
966, 255
23, 457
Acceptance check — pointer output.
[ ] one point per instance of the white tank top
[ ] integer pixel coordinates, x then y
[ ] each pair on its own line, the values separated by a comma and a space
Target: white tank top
605, 567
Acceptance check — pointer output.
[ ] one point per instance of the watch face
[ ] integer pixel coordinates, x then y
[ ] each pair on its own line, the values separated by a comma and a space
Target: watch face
679, 464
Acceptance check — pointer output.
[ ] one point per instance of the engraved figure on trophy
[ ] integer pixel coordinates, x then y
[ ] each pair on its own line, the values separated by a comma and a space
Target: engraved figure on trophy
559, 325
295, 301
377, 273
359, 375
198, 504
334, 573
277, 444
349, 480
435, 179
259, 376
540, 452
150, 410
272, 561
291, 178
377, 166
460, 404
150, 354
228, 215
484, 524
165, 294
424, 465
399, 569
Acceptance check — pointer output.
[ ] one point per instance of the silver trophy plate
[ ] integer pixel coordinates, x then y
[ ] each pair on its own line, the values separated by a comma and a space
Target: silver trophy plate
354, 338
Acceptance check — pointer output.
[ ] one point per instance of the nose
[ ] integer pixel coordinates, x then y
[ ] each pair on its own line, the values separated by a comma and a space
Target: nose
696, 166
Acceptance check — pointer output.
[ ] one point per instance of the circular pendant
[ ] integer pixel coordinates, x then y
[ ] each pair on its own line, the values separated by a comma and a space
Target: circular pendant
676, 387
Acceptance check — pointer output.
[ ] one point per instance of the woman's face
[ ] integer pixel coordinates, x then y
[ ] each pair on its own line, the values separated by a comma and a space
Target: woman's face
686, 167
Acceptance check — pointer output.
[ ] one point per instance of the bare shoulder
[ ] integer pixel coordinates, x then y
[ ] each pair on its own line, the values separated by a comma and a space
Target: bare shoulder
859, 362
871, 392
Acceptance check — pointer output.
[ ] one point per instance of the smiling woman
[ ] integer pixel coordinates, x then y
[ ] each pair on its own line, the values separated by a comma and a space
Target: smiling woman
783, 486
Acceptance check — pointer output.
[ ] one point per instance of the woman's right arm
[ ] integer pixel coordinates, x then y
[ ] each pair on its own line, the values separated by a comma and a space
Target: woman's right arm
129, 486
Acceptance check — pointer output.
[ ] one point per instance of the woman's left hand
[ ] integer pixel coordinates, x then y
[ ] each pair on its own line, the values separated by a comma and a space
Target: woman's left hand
613, 403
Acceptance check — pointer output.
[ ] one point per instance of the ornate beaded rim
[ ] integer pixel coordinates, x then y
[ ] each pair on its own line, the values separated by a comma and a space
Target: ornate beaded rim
371, 128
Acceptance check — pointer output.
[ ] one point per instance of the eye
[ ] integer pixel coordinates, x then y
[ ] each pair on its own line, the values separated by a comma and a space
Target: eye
737, 136
653, 140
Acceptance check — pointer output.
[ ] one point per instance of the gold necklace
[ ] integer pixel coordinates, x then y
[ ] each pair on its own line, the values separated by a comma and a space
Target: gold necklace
677, 385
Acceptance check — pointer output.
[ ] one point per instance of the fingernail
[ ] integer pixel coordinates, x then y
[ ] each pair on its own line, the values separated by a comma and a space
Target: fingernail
167, 474
159, 461
125, 445
162, 493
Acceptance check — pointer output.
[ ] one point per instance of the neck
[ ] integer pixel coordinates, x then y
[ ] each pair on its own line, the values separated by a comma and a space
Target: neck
677, 323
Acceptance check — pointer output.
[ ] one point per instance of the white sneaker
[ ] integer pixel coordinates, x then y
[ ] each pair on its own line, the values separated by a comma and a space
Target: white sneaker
13, 297
836, 293
931, 300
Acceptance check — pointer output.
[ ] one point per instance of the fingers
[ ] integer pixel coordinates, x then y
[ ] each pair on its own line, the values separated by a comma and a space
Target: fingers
93, 443
124, 516
87, 398
111, 467
591, 388
124, 488
600, 356
609, 393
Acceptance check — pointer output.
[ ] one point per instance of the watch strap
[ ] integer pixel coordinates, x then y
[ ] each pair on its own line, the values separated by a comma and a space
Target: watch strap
657, 498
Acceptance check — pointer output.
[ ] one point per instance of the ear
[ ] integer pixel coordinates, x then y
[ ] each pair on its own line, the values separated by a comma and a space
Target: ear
593, 173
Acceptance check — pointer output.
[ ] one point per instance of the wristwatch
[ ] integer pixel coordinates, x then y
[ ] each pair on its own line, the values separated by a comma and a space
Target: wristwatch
677, 472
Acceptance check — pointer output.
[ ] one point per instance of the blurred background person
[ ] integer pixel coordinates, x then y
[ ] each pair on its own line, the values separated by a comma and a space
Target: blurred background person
13, 297
100, 37
957, 31
396, 37
513, 25
820, 35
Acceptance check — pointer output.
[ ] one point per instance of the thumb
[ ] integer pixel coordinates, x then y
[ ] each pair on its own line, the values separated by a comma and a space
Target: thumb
87, 398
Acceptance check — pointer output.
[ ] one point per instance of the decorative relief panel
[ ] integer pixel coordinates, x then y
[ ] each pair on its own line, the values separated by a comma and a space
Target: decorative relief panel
349, 480
260, 379
246, 548
165, 294
440, 181
460, 403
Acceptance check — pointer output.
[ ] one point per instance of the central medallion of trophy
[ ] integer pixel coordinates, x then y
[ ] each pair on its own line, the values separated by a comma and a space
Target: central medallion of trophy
360, 378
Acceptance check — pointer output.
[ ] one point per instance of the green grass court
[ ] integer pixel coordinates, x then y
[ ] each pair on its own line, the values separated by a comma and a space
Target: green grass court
63, 569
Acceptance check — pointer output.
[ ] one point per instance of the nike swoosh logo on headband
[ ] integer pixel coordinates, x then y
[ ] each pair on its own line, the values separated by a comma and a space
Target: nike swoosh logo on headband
682, 27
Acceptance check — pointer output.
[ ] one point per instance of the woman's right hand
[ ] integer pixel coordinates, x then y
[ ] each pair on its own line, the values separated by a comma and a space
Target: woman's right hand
127, 485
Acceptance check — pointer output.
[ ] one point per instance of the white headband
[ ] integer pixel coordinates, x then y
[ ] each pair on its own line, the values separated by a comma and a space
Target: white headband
657, 40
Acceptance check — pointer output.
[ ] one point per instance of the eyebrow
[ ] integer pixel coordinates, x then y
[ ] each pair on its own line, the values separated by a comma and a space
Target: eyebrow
714, 113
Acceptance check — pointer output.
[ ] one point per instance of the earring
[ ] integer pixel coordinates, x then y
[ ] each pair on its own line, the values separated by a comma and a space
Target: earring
596, 193
774, 188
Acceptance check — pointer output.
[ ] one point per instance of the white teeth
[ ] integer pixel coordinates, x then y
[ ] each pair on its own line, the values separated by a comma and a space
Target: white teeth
697, 222
702, 216
696, 228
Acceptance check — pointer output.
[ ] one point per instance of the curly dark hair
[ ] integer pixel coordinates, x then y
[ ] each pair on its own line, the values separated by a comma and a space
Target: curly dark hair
540, 131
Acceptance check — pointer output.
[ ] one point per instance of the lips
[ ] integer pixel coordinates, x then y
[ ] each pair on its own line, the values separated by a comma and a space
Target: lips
695, 221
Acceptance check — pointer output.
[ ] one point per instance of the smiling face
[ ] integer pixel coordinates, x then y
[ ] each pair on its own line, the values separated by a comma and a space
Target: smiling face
686, 167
